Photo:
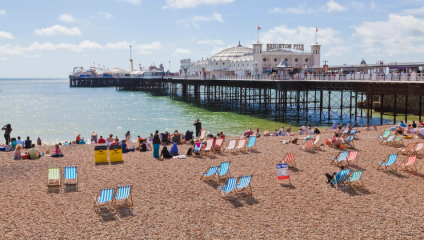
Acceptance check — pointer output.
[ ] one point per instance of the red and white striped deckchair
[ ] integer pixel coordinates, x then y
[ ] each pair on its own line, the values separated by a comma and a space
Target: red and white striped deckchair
289, 159
419, 148
218, 145
409, 163
352, 157
241, 144
308, 145
231, 144
208, 148
202, 134
409, 150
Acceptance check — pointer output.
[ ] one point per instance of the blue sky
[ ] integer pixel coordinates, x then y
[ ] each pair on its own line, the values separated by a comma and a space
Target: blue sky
49, 38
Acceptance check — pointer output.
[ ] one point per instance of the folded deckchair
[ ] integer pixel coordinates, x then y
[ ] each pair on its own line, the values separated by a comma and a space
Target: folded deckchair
229, 187
231, 144
54, 177
123, 195
104, 199
341, 177
398, 141
71, 177
308, 145
251, 144
419, 148
243, 187
340, 158
409, 150
210, 173
352, 157
240, 146
409, 163
316, 142
390, 161
218, 145
349, 141
289, 159
202, 134
224, 169
355, 180
208, 149
197, 149
385, 135
388, 140
353, 133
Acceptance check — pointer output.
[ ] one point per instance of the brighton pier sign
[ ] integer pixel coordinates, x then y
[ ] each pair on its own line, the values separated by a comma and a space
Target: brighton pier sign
285, 46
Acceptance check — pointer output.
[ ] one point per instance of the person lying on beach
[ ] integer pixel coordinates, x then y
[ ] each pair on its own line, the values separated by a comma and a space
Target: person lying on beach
330, 177
18, 155
102, 140
165, 153
57, 151
34, 153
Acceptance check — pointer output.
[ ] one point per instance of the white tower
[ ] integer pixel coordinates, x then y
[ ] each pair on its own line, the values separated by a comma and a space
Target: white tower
257, 61
316, 54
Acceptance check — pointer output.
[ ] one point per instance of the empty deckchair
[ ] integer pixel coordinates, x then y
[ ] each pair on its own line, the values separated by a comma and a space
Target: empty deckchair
388, 140
316, 142
251, 144
208, 149
71, 177
352, 157
224, 169
409, 150
385, 135
308, 145
243, 187
397, 141
349, 141
210, 173
104, 199
419, 148
217, 147
390, 161
409, 163
229, 187
202, 134
341, 177
240, 144
231, 144
340, 158
197, 149
355, 180
289, 159
123, 196
54, 177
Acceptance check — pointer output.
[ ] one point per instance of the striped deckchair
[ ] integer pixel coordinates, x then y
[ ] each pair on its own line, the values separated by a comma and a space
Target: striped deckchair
208, 149
316, 142
251, 144
224, 169
240, 146
385, 135
243, 187
231, 144
352, 157
353, 133
123, 195
341, 177
202, 134
197, 149
355, 180
419, 148
104, 199
54, 177
229, 187
409, 150
210, 173
70, 174
390, 161
289, 159
308, 145
340, 158
388, 140
349, 141
409, 163
398, 141
217, 147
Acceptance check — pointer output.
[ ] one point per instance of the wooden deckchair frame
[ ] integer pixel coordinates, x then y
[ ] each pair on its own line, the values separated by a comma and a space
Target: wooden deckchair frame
228, 143
246, 191
292, 162
339, 163
219, 150
381, 137
76, 179
392, 166
349, 158
243, 147
406, 167
127, 200
419, 151
303, 147
218, 178
202, 136
351, 144
254, 145
385, 142
409, 150
207, 178
208, 149
397, 142
358, 184
225, 195
109, 204
200, 150
54, 184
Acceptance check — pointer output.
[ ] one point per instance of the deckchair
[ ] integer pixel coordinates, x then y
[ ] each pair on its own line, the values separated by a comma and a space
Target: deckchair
240, 146
419, 148
409, 163
54, 177
105, 199
243, 187
251, 144
355, 180
71, 174
217, 147
197, 149
316, 142
409, 150
224, 169
398, 141
308, 145
229, 187
388, 140
210, 173
385, 135
266, 133
352, 157
208, 149
231, 144
202, 134
188, 136
289, 159
349, 141
340, 158
390, 161
165, 139
341, 177
353, 133
123, 195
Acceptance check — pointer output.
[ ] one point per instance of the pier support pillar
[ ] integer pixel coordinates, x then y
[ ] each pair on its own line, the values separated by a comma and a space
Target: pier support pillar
406, 109
381, 109
394, 109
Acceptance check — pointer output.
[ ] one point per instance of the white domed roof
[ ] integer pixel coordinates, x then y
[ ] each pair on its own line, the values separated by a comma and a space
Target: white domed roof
115, 70
231, 53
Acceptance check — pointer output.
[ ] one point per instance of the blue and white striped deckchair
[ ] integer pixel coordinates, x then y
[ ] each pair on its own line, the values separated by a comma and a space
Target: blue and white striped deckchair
341, 177
390, 161
387, 140
397, 141
224, 169
124, 195
229, 187
251, 144
105, 199
210, 173
353, 133
71, 174
340, 158
196, 149
244, 186
349, 141
355, 180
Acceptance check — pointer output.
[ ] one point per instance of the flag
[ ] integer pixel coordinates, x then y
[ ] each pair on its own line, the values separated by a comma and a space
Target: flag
317, 29
259, 28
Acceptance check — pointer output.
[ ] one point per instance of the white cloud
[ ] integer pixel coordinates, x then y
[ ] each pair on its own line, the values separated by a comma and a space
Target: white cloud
7, 35
211, 42
192, 3
276, 10
397, 35
414, 11
58, 30
180, 51
194, 20
106, 14
338, 51
333, 6
357, 5
300, 9
135, 2
66, 18
2, 12
300, 35
4, 59
373, 6
120, 45
146, 49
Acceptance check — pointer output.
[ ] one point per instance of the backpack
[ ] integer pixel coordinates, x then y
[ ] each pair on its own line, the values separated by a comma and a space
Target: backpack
189, 151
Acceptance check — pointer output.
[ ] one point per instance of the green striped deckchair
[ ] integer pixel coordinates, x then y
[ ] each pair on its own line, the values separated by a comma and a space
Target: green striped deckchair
355, 180
54, 177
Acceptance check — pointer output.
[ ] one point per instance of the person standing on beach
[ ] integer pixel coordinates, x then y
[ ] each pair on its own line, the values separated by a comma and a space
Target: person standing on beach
156, 144
198, 125
78, 138
94, 137
7, 130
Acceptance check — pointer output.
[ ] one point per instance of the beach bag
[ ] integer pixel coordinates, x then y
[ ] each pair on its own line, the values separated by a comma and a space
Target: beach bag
327, 142
25, 156
189, 151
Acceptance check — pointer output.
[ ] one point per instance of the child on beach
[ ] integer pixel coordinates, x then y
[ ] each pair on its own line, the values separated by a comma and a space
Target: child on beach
165, 153
57, 151
18, 155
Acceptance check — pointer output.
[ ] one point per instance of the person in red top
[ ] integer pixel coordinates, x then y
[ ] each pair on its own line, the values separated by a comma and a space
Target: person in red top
78, 138
421, 123
116, 142
102, 140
